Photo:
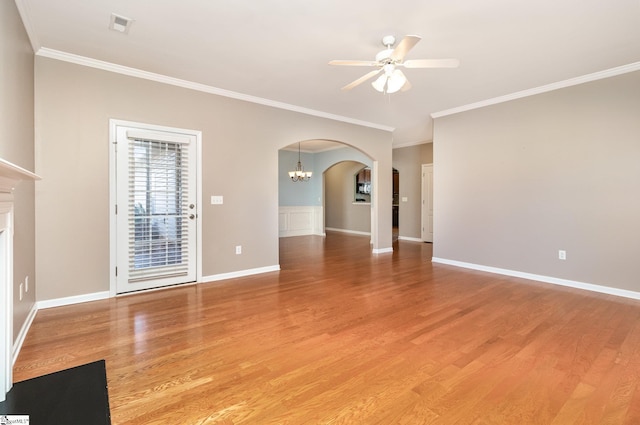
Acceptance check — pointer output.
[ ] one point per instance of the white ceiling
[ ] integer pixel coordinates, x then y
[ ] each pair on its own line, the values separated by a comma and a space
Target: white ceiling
279, 49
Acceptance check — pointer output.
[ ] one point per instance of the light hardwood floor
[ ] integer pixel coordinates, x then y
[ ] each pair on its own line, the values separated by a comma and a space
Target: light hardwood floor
341, 336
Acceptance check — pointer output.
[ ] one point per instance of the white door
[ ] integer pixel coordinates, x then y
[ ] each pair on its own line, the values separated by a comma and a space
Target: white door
427, 202
156, 215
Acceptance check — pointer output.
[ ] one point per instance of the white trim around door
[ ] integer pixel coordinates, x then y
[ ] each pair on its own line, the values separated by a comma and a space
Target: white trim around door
119, 130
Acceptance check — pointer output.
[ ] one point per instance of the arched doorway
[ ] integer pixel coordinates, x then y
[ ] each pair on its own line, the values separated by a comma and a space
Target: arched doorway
302, 204
347, 194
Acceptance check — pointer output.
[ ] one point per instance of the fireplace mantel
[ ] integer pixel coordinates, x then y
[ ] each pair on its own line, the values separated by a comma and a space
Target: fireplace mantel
11, 174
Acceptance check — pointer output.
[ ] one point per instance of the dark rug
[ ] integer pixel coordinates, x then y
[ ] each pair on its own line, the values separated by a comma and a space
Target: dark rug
72, 396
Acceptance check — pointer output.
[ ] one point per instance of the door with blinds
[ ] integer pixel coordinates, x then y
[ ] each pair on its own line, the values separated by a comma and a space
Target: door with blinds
156, 214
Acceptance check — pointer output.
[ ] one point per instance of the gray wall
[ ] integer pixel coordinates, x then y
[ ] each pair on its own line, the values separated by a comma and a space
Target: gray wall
341, 212
16, 146
517, 181
408, 161
73, 108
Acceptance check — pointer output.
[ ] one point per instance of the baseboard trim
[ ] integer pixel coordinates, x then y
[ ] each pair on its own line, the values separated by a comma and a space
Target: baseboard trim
407, 238
540, 278
382, 250
352, 232
241, 273
300, 233
76, 299
17, 345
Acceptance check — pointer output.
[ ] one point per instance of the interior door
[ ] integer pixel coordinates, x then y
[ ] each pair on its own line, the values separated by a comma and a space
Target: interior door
427, 202
156, 215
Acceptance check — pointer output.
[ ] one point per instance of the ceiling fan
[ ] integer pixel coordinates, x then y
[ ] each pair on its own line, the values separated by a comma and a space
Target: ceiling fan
388, 61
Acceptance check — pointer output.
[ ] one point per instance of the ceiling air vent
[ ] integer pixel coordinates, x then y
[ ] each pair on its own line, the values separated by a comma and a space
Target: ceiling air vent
120, 23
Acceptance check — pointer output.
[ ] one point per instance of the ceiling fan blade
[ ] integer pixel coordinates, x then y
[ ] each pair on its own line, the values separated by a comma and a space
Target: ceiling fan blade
431, 63
362, 79
404, 46
353, 63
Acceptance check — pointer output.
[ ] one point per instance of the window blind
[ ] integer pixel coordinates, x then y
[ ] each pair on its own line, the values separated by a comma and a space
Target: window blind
157, 209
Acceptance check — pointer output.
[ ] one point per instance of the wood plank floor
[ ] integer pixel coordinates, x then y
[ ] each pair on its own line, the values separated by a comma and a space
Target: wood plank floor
341, 336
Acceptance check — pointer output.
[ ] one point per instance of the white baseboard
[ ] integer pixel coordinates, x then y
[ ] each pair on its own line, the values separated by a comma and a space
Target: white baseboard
407, 238
241, 273
17, 345
59, 302
352, 232
300, 233
540, 278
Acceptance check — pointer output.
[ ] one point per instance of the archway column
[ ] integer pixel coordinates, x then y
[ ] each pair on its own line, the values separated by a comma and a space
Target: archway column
382, 206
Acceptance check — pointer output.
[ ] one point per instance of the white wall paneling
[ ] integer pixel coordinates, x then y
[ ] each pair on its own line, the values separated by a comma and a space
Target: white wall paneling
298, 221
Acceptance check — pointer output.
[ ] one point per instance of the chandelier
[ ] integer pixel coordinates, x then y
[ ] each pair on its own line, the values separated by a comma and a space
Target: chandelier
299, 175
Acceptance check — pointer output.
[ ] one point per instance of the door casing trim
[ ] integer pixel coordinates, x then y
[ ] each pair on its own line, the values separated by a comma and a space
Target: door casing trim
113, 124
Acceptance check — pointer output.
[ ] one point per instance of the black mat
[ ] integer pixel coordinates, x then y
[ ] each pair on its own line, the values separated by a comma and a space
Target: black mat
76, 396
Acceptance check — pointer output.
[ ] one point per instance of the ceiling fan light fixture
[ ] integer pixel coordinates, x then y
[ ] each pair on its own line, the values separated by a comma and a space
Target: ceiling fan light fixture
396, 81
380, 82
389, 79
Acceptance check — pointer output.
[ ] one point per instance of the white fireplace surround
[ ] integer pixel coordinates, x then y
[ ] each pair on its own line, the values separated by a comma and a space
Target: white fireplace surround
10, 176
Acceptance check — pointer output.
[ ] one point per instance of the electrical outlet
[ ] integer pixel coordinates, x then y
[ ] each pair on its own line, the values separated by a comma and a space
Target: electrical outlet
238, 249
21, 288
26, 284
562, 254
217, 200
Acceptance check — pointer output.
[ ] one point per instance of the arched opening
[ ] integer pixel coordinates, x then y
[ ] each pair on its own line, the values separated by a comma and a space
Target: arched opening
347, 206
305, 207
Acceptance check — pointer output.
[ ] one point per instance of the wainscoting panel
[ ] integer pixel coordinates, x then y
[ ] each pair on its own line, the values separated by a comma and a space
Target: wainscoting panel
298, 221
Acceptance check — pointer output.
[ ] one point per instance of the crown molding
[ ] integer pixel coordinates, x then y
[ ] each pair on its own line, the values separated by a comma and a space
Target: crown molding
612, 72
138, 73
25, 15
408, 144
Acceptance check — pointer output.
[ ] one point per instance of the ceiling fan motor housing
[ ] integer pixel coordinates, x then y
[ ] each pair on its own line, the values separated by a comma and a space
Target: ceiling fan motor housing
384, 56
